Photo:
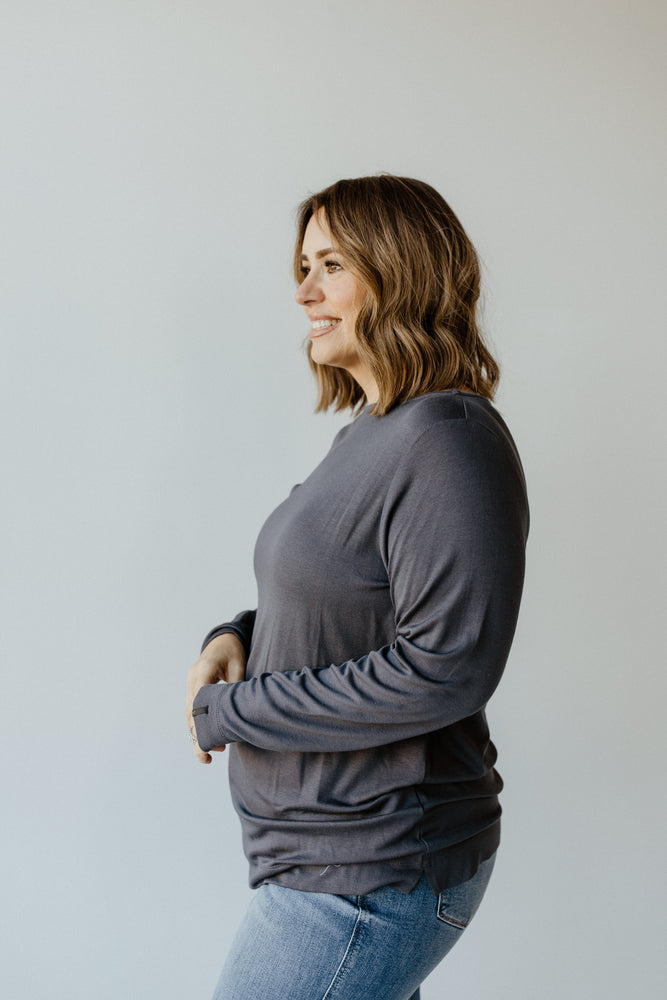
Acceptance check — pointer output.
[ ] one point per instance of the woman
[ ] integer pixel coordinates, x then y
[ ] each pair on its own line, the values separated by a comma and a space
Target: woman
389, 585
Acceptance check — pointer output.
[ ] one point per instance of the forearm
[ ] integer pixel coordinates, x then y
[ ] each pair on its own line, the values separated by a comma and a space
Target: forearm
391, 694
241, 626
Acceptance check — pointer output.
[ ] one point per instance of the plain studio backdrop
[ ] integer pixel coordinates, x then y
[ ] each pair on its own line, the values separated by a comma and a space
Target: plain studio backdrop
156, 406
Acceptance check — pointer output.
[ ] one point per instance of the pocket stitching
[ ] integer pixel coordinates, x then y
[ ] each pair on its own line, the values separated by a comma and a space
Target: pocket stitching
445, 919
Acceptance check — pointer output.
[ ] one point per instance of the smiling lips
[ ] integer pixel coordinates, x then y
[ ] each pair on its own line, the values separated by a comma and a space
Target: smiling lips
321, 326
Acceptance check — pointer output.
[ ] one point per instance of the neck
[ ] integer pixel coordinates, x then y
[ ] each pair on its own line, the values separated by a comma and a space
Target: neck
366, 383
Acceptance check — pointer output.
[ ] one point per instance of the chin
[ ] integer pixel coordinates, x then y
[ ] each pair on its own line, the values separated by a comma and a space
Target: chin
335, 359
323, 357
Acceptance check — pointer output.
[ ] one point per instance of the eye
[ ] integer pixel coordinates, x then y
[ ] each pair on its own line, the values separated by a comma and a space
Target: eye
332, 265
303, 271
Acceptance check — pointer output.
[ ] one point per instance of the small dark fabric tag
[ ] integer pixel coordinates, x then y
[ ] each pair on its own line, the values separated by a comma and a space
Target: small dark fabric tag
200, 711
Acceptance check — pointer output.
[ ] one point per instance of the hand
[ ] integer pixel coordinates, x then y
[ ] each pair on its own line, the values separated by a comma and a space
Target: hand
223, 659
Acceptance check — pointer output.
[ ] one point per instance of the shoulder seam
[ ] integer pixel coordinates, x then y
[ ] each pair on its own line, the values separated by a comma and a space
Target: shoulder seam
423, 433
470, 420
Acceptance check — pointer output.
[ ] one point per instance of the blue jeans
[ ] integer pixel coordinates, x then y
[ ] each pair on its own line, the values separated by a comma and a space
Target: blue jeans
295, 945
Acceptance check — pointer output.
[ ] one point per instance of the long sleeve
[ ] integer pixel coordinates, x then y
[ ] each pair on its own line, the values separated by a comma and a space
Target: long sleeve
451, 534
241, 626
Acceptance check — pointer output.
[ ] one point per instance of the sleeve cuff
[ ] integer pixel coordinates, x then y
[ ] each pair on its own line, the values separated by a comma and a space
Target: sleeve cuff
204, 716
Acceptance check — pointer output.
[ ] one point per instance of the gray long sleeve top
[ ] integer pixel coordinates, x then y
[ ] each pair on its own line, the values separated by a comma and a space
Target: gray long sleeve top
389, 585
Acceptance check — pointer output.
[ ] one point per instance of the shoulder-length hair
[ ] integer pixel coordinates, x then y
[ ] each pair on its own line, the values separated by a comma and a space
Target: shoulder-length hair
417, 328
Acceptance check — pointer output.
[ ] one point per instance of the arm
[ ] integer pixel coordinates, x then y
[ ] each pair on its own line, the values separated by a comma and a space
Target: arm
223, 657
241, 627
452, 536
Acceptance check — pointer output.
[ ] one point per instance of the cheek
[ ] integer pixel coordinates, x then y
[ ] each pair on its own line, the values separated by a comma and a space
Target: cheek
354, 298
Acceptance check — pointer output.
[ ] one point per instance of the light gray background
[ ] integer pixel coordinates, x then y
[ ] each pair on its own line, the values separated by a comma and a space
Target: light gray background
156, 406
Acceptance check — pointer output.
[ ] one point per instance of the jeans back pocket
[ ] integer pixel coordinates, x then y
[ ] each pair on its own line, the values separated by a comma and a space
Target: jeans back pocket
458, 904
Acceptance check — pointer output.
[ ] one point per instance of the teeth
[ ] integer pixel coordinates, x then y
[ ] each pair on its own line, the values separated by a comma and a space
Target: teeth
320, 324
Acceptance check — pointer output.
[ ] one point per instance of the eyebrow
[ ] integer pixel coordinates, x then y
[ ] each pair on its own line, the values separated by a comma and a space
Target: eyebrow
319, 253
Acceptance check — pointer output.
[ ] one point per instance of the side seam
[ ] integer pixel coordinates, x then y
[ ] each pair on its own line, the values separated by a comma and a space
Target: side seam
328, 994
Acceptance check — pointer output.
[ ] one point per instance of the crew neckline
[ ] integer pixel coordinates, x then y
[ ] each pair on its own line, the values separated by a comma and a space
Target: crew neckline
432, 392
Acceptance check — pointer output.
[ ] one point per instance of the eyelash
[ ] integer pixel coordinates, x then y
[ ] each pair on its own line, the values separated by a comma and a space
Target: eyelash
327, 263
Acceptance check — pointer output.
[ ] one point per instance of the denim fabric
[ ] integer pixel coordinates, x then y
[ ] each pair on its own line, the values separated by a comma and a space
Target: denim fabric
295, 945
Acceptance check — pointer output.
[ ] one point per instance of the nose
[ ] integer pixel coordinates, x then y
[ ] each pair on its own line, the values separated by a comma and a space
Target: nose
308, 291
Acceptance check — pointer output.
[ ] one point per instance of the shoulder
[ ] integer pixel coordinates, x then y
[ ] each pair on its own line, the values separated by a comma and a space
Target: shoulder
441, 433
447, 411
420, 412
434, 430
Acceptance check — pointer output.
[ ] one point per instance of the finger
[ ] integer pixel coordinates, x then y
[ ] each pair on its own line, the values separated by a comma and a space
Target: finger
202, 756
188, 713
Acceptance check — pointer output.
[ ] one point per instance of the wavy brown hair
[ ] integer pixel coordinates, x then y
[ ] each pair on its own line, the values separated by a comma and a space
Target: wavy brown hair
417, 328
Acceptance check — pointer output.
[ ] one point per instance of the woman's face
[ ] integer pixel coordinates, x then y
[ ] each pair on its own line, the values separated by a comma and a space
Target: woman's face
331, 297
